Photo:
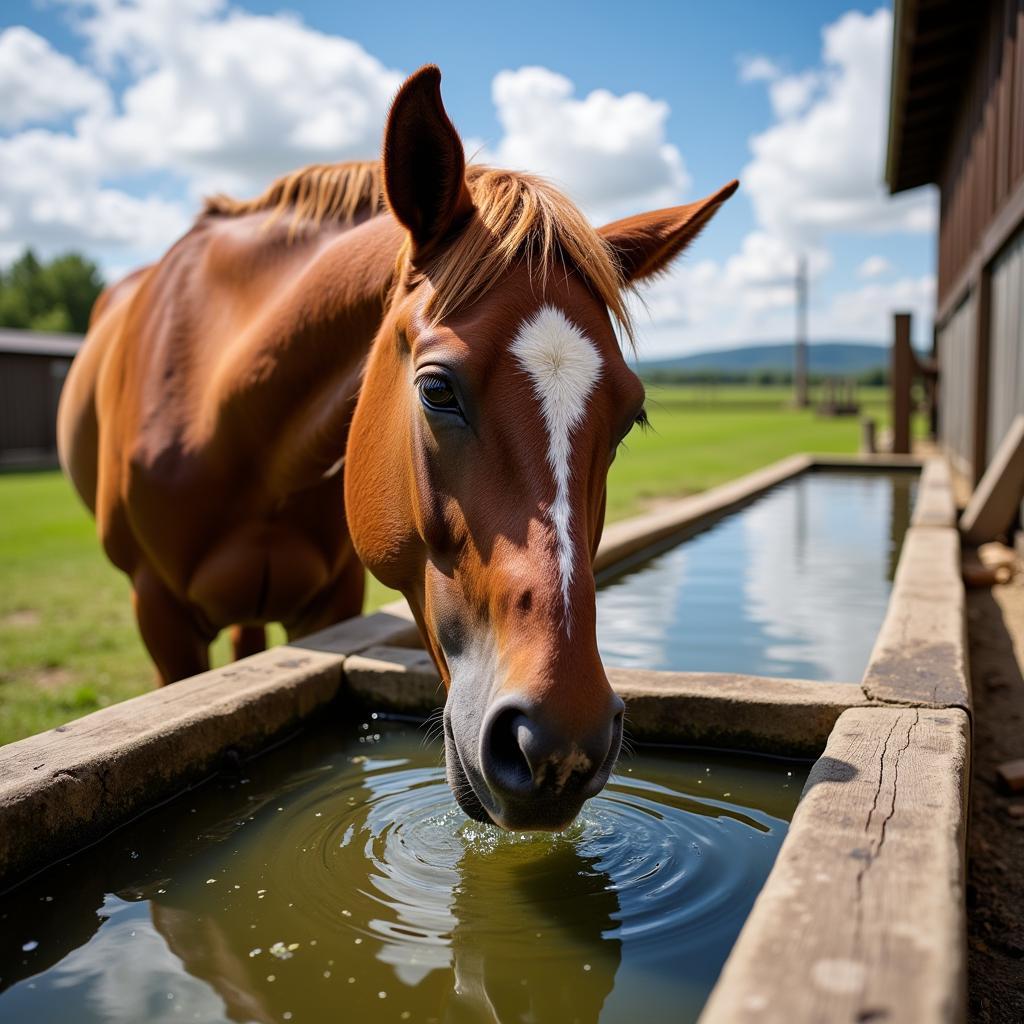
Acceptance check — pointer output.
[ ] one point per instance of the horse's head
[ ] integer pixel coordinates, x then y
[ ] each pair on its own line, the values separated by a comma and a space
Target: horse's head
494, 399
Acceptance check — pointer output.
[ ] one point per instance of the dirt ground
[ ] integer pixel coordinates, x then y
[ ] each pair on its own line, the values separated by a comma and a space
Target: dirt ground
995, 886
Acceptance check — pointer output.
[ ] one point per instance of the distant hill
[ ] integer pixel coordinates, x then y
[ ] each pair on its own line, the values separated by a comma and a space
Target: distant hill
829, 358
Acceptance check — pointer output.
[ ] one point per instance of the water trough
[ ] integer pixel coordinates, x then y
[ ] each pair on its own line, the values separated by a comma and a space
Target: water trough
862, 916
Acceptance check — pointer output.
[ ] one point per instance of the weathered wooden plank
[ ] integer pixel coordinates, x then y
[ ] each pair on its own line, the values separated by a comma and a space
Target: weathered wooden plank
935, 505
920, 654
783, 716
862, 917
398, 679
64, 788
996, 499
393, 626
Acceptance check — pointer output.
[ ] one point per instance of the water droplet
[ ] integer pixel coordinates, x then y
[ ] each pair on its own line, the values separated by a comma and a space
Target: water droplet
255, 952
327, 974
29, 946
210, 881
351, 981
382, 995
271, 977
586, 967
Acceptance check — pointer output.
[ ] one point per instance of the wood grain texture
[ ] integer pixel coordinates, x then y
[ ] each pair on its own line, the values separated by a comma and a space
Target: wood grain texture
920, 654
67, 787
62, 789
780, 716
862, 918
935, 505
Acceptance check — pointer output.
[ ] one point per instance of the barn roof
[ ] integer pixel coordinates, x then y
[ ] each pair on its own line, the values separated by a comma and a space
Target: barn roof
933, 42
38, 343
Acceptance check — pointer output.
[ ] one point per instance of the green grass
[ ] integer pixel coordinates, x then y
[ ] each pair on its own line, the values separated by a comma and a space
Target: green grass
68, 642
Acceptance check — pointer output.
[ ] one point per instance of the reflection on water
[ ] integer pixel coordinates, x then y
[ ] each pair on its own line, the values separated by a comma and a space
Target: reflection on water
356, 890
795, 584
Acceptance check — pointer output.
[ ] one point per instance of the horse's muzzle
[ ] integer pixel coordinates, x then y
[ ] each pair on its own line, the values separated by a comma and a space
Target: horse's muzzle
535, 775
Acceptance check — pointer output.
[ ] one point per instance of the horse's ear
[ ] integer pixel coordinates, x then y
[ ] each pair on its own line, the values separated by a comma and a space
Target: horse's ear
423, 160
647, 243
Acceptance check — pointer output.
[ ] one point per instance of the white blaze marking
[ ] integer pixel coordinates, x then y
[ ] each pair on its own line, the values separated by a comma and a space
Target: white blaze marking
564, 367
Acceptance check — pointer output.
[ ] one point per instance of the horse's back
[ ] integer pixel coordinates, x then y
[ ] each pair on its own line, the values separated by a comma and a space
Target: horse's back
77, 414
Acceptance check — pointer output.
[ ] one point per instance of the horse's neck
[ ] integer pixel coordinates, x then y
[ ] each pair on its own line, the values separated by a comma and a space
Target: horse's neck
321, 334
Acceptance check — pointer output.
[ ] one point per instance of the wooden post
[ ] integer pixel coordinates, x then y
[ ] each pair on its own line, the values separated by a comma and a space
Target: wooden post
982, 307
901, 381
868, 444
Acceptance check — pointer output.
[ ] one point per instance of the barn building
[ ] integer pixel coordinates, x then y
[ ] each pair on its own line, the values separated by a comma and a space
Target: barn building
956, 120
33, 366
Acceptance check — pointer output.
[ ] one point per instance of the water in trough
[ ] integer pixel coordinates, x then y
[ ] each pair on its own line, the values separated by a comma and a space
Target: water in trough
795, 584
338, 881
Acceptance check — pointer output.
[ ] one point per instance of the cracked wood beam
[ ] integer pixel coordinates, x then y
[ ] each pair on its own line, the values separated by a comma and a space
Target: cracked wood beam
67, 787
779, 716
862, 918
920, 656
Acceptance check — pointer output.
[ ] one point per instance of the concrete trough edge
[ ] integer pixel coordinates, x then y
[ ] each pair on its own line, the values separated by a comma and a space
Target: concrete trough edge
862, 916
791, 717
65, 788
920, 655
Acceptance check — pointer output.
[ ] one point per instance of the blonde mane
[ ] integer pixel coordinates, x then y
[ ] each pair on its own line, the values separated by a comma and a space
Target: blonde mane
519, 218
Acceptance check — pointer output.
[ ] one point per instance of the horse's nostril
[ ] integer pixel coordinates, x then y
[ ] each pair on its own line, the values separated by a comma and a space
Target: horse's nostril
505, 764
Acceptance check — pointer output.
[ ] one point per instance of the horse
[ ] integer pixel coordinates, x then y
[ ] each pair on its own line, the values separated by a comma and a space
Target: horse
411, 365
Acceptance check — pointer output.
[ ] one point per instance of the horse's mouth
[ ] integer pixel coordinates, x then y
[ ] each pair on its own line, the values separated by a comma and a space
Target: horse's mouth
458, 779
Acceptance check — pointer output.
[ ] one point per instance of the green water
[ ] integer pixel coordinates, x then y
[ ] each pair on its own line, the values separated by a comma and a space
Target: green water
336, 880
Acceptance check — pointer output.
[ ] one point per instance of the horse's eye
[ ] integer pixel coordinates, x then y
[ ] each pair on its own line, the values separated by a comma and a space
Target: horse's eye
436, 393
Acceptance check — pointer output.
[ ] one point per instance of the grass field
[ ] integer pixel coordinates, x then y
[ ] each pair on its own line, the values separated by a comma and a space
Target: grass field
68, 643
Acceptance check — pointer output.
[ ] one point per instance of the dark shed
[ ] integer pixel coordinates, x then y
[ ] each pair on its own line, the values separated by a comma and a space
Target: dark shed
33, 366
956, 119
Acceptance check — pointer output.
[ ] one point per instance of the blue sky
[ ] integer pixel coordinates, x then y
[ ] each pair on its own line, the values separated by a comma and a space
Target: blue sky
149, 103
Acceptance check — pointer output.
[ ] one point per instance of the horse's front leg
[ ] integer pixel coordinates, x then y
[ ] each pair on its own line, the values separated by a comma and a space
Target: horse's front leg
176, 642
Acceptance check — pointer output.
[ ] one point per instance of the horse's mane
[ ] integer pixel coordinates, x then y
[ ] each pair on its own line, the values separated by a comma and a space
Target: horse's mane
519, 218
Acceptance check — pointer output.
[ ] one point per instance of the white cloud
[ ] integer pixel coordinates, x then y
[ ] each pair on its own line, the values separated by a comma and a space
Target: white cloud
52, 197
609, 152
866, 312
816, 174
758, 68
709, 305
232, 102
818, 168
874, 266
215, 101
39, 84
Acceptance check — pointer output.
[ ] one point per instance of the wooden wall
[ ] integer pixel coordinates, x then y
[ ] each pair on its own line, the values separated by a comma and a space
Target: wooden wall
985, 161
1006, 342
957, 353
29, 391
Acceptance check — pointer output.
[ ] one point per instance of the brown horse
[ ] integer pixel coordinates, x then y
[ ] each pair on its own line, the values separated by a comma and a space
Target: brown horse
412, 366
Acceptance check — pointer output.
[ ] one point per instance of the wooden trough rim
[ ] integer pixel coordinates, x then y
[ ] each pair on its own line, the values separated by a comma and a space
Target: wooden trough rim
892, 778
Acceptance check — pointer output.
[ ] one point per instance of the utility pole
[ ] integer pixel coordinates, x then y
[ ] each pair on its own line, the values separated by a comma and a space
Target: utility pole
800, 349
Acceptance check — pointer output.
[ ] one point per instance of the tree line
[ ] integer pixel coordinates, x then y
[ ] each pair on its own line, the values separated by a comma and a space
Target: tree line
55, 295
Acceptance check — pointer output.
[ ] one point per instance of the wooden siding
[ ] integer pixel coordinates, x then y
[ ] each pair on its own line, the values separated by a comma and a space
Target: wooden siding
1006, 342
957, 350
985, 163
29, 390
